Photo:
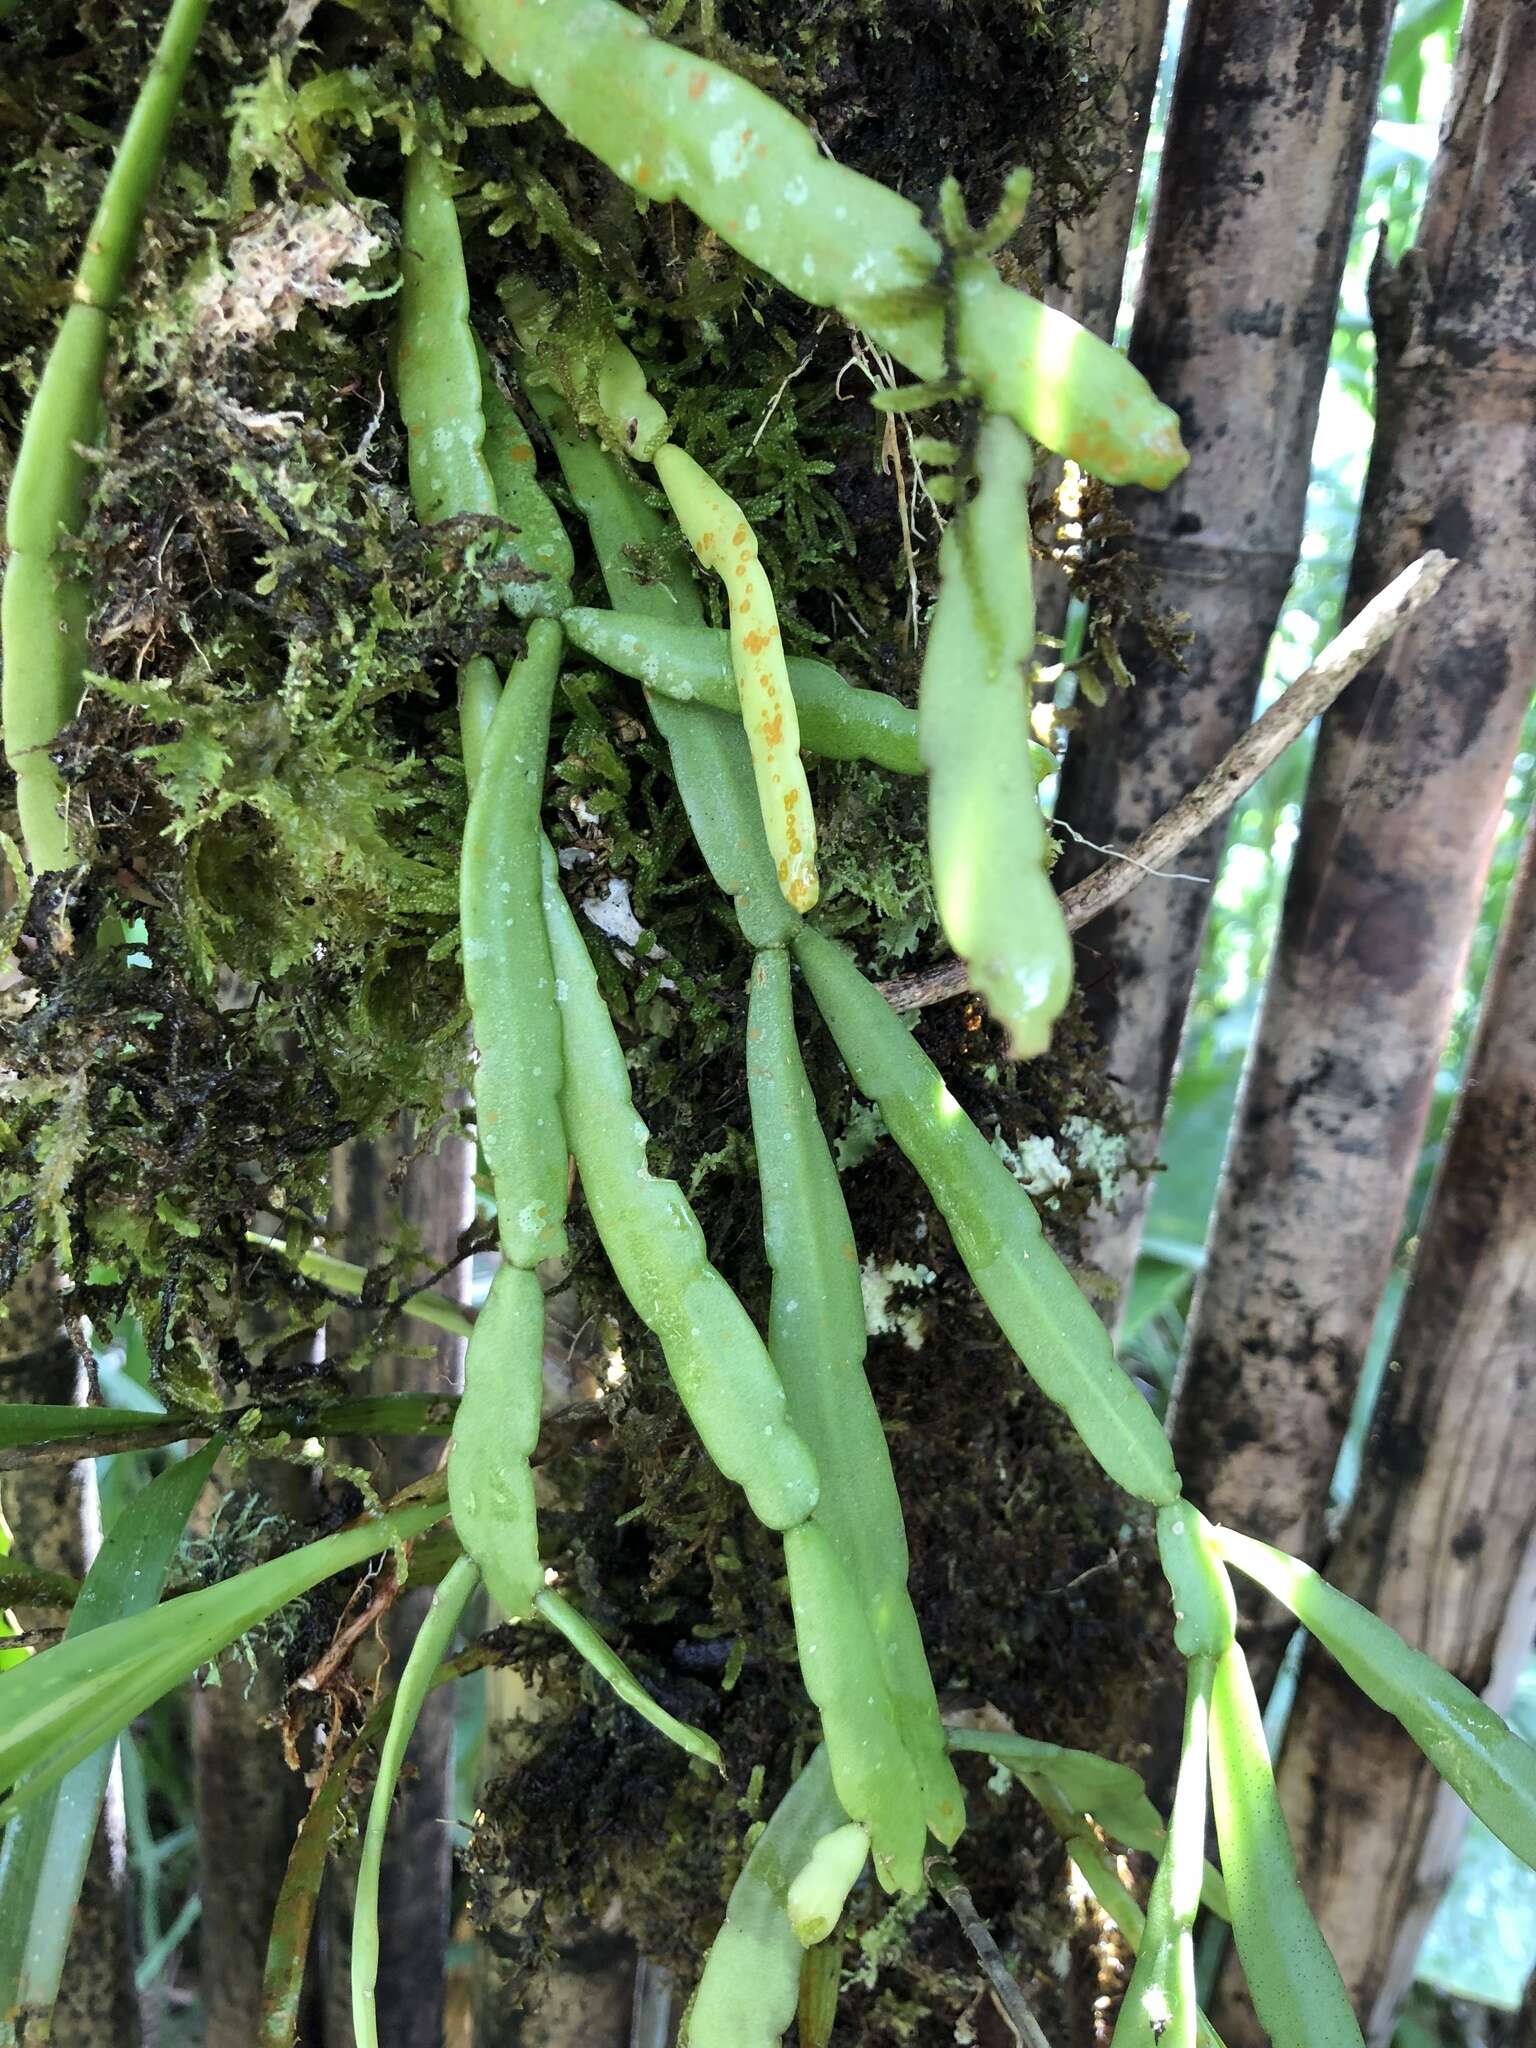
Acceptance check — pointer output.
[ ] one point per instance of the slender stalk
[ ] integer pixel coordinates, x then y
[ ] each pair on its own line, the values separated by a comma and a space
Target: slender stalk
416, 1681
43, 606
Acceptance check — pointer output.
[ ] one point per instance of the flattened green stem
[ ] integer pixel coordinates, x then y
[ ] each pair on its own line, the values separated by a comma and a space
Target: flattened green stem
1297, 1991
507, 972
431, 1646
510, 982
521, 499
1038, 1306
585, 1640
44, 604
343, 1277
1474, 1749
985, 831
710, 756
479, 695
693, 664
816, 1338
748, 1993
495, 1433
467, 455
874, 1775
719, 1366
468, 441
675, 126
1204, 1611
820, 1892
723, 540
1160, 2009
437, 369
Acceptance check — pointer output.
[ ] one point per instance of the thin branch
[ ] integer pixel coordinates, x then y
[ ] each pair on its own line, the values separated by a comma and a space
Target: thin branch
32, 1639
351, 1630
344, 1282
1005, 1987
1259, 748
378, 1415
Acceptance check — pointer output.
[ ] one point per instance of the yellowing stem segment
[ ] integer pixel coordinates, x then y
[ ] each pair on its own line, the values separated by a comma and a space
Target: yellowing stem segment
720, 536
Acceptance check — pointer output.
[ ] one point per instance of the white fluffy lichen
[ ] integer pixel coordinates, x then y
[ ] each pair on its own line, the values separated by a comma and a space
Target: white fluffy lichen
882, 1316
288, 260
1084, 1150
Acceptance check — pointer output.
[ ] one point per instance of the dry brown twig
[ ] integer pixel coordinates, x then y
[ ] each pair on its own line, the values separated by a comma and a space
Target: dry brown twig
1005, 1987
1260, 746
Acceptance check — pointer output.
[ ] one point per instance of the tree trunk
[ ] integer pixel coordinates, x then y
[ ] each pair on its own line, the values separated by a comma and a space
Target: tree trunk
1128, 38
1233, 327
248, 1805
415, 1892
1439, 1539
52, 1514
1401, 813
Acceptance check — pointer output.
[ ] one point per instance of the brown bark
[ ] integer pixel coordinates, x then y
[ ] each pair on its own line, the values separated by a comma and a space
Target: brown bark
1404, 802
436, 1200
52, 1515
1439, 1539
1128, 39
1271, 114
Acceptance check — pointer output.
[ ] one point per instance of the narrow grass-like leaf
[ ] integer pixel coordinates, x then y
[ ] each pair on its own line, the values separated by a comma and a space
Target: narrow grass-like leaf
432, 1640
610, 1666
1474, 1749
1113, 1793
293, 1918
1297, 1991
58, 1707
751, 1983
43, 1861
1095, 1865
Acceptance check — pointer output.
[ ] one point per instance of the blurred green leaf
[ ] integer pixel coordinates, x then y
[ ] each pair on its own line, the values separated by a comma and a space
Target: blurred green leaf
43, 1861
59, 1706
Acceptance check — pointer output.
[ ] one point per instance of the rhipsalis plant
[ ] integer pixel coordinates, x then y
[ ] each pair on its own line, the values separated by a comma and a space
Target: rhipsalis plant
788, 1418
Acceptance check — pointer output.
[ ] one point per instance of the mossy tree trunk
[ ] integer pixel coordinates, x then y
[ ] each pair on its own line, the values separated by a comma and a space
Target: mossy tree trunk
1034, 1588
